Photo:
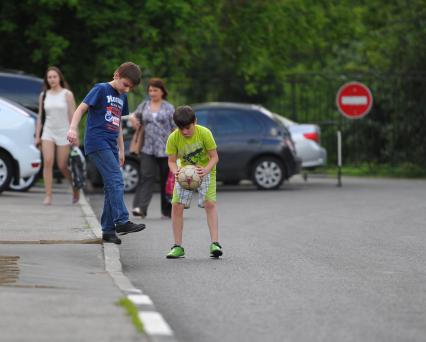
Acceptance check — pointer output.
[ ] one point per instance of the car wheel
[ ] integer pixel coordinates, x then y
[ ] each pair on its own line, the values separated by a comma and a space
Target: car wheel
130, 175
268, 173
24, 184
5, 171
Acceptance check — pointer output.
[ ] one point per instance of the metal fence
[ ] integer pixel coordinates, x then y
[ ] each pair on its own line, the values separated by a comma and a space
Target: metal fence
392, 133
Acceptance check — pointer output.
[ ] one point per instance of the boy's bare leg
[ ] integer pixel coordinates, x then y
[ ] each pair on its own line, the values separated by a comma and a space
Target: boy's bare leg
212, 220
177, 222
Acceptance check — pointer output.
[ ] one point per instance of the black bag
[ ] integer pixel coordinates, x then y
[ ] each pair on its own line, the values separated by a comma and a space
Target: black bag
77, 165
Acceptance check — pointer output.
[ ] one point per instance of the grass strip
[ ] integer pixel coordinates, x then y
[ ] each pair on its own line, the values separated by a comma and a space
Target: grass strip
132, 311
403, 170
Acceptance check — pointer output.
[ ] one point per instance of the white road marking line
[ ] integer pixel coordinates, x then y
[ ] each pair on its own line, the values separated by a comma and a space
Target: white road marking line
134, 291
154, 323
140, 299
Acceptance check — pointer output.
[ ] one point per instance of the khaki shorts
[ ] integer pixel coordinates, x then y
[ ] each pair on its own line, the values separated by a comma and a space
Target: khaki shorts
206, 192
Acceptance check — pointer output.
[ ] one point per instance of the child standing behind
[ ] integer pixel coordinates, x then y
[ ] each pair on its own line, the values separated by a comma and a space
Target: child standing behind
193, 144
104, 144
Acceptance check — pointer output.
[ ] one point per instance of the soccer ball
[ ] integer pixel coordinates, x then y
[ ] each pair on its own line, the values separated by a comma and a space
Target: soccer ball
188, 177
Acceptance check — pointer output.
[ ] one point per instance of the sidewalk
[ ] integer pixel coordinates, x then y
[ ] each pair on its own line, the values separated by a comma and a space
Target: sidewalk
53, 279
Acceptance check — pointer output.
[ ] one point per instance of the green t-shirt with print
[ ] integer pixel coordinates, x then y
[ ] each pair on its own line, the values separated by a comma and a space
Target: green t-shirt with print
192, 150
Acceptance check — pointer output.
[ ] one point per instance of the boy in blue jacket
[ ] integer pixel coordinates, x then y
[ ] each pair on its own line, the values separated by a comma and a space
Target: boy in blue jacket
106, 103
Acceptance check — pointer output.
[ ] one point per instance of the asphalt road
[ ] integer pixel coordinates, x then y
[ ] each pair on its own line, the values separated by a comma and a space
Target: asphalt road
310, 262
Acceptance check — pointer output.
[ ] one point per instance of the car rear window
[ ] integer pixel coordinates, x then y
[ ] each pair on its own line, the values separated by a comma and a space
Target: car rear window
233, 122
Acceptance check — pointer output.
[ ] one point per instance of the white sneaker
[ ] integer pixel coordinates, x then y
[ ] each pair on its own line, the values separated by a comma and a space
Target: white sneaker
138, 212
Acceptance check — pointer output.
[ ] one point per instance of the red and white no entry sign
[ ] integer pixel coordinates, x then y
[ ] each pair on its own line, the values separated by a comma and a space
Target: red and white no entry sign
354, 100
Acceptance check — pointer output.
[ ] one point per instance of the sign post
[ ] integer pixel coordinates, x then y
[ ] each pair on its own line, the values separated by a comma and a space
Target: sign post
339, 158
354, 101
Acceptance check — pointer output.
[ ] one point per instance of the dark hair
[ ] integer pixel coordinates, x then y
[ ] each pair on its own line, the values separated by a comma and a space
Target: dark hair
184, 116
158, 83
130, 71
62, 81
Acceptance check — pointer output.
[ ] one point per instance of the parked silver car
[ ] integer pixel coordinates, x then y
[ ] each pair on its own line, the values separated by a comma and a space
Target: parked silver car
306, 138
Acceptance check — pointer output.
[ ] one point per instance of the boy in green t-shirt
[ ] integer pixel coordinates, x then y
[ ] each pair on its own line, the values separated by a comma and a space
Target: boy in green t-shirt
193, 144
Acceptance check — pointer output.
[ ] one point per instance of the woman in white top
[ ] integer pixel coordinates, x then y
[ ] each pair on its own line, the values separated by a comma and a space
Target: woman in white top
56, 107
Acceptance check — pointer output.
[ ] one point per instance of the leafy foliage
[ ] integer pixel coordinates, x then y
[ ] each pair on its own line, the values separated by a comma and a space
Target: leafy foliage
278, 53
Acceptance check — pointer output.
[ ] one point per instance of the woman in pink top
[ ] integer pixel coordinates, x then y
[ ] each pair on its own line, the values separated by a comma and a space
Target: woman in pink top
56, 107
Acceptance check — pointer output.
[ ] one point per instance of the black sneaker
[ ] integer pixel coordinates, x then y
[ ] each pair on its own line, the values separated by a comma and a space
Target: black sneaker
128, 227
111, 238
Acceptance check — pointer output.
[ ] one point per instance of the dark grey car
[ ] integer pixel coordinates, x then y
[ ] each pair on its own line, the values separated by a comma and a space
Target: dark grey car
21, 88
252, 144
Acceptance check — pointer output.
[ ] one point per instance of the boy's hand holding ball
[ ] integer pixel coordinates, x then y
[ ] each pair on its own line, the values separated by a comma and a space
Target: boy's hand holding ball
202, 171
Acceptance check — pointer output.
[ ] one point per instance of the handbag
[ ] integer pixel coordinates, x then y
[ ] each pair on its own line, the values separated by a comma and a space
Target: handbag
137, 141
170, 184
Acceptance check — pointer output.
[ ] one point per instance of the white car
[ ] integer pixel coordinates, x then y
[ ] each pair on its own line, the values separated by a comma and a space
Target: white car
306, 138
19, 157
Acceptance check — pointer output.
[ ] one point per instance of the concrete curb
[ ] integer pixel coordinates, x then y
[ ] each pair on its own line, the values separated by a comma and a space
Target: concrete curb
155, 325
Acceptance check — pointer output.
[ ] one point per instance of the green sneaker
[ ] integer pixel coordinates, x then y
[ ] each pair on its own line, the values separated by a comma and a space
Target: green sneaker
215, 250
176, 252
